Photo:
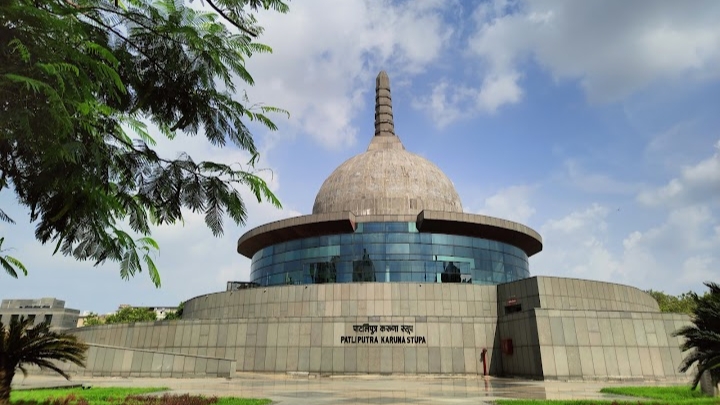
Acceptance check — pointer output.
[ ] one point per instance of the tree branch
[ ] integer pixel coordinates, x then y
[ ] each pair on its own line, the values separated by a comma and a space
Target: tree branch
230, 20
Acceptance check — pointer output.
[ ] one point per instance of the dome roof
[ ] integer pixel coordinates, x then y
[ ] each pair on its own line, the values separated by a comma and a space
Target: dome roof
386, 179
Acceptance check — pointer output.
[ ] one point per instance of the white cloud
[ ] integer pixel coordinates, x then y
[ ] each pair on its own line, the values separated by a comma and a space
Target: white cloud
326, 55
610, 48
590, 218
698, 269
678, 254
597, 182
512, 203
699, 183
449, 102
675, 256
498, 89
446, 103
575, 246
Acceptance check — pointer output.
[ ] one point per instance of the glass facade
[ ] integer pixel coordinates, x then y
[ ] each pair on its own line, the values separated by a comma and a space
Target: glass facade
387, 252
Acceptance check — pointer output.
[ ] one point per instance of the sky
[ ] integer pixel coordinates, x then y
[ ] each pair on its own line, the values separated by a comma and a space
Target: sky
594, 122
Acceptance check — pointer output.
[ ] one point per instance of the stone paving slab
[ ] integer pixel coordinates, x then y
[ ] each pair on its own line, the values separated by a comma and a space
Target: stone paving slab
303, 389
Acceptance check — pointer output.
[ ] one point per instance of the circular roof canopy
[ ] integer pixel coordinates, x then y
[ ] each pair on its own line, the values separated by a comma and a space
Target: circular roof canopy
386, 179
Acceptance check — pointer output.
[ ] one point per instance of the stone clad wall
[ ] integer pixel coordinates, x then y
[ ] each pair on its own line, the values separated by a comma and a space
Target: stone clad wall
103, 360
301, 328
609, 344
452, 345
576, 294
523, 292
320, 329
525, 359
578, 329
347, 299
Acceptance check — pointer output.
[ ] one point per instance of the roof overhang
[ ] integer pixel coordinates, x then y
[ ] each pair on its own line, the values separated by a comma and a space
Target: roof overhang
452, 223
481, 226
295, 228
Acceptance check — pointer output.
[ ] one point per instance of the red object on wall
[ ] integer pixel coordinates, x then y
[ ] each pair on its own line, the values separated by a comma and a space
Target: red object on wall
506, 346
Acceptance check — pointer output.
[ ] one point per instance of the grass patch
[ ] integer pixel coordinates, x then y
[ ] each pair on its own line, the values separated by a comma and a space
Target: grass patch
677, 395
94, 395
242, 401
120, 396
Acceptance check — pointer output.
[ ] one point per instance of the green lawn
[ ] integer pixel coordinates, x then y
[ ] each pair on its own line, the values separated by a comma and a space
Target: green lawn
110, 395
680, 392
677, 395
242, 401
95, 395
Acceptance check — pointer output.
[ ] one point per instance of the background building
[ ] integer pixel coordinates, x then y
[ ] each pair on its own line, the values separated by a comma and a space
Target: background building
49, 310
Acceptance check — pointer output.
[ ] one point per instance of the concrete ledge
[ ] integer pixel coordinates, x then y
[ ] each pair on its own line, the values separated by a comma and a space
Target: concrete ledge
481, 226
295, 228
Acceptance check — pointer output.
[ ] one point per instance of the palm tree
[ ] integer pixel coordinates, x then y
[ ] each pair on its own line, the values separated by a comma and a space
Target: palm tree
10, 263
703, 336
23, 344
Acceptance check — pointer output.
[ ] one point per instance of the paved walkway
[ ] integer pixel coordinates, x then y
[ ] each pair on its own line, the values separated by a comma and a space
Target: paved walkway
311, 390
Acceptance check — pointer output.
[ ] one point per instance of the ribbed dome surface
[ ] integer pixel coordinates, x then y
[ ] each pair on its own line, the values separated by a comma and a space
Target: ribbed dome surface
386, 179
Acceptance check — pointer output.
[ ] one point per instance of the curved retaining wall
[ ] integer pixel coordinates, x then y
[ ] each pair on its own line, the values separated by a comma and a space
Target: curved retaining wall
347, 299
303, 328
560, 328
575, 294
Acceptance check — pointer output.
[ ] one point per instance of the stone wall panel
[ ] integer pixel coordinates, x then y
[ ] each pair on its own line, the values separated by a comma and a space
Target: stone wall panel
565, 328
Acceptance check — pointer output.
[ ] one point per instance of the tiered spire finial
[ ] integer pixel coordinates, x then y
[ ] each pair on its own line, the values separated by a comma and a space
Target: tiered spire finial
384, 125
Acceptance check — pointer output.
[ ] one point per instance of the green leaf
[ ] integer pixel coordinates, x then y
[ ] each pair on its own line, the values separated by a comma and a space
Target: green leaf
152, 270
5, 217
147, 241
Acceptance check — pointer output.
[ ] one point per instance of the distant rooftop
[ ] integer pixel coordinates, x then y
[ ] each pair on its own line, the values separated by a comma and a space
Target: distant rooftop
47, 302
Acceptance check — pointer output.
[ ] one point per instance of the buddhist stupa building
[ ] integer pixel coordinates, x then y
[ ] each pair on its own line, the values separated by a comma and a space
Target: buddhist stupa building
389, 215
389, 275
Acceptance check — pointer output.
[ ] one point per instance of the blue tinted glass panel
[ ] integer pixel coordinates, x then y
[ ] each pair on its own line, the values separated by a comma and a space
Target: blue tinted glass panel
396, 252
397, 248
394, 227
439, 239
463, 251
374, 227
373, 238
479, 243
442, 250
399, 238
421, 249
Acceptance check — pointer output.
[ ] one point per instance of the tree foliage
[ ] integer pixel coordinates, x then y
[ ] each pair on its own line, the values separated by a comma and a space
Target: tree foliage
22, 344
702, 337
683, 303
79, 79
177, 314
131, 314
93, 319
9, 263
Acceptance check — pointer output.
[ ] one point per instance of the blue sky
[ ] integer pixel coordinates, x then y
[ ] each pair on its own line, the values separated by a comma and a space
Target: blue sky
595, 123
